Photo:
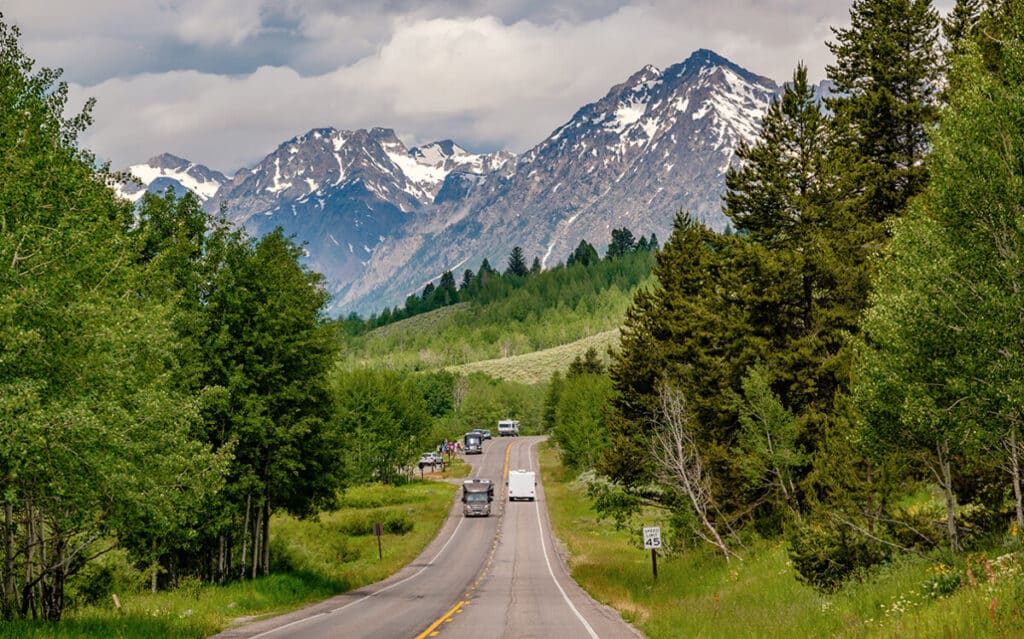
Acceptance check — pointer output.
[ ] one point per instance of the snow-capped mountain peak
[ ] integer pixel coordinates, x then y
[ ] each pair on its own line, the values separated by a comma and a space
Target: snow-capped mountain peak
168, 170
378, 217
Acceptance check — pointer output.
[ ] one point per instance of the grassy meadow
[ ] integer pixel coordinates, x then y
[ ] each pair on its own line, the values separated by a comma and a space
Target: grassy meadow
536, 367
697, 594
312, 560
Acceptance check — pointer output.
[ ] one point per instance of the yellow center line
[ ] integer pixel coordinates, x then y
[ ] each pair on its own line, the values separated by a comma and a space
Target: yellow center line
443, 619
458, 607
504, 471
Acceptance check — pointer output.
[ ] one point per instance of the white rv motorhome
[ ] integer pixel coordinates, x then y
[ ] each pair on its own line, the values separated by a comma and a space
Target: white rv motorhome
522, 484
477, 495
508, 428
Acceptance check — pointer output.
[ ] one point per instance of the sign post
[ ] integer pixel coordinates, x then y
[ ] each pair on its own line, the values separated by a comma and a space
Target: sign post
378, 530
652, 540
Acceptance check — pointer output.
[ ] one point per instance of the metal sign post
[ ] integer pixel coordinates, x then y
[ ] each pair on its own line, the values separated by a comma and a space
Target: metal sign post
378, 530
652, 540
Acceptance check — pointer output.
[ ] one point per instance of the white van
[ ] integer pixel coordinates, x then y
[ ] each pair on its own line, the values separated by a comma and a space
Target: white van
522, 484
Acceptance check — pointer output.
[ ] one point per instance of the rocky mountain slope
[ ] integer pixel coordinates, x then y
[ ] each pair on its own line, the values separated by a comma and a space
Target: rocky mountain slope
381, 220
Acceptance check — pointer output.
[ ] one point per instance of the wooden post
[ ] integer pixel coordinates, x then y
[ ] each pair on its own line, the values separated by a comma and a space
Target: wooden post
378, 530
654, 563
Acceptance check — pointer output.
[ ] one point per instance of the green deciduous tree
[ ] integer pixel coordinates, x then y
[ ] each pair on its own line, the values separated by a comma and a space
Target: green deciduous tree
384, 421
942, 350
96, 436
268, 348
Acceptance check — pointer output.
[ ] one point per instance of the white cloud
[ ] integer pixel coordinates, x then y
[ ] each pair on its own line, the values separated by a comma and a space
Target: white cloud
224, 82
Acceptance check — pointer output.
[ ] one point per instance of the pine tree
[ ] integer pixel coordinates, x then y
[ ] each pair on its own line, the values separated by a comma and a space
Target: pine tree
517, 263
886, 78
622, 243
585, 255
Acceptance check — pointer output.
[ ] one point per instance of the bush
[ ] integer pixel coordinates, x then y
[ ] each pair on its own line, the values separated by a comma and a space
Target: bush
396, 524
357, 526
826, 555
98, 579
942, 581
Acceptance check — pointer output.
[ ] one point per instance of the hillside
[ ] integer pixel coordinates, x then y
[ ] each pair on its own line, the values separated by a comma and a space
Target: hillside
537, 367
520, 331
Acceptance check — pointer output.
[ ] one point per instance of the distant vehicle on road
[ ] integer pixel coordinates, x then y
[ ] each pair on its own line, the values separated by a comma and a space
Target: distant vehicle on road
431, 459
477, 495
484, 432
508, 428
473, 443
522, 484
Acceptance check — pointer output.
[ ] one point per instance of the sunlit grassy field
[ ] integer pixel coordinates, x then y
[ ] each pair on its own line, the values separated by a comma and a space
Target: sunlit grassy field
537, 367
697, 594
313, 560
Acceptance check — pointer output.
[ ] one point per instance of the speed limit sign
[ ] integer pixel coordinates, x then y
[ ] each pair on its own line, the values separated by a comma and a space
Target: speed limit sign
652, 537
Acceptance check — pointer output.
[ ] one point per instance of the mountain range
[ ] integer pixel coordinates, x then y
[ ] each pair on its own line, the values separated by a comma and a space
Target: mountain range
381, 220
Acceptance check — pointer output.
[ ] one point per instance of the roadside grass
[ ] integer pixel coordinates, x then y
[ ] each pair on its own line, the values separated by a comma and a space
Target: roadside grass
313, 560
697, 594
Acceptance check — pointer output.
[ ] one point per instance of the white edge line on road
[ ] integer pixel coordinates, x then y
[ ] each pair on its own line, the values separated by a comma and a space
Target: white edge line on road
544, 549
372, 594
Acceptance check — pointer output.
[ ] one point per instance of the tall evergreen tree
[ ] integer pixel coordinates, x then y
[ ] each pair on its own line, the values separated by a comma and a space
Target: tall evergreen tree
584, 254
622, 243
886, 78
517, 263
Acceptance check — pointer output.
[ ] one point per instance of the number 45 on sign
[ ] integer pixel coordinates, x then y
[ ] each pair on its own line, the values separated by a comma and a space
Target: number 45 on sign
652, 537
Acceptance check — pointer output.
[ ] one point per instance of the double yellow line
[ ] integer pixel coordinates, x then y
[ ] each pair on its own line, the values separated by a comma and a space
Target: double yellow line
447, 617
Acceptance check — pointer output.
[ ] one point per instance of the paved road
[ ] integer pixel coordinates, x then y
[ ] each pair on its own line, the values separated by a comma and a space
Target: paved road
482, 577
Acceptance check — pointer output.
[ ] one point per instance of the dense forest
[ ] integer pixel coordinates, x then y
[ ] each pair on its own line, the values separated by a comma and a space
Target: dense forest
815, 375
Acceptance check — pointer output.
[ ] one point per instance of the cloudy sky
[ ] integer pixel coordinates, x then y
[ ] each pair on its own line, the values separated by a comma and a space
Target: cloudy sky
223, 82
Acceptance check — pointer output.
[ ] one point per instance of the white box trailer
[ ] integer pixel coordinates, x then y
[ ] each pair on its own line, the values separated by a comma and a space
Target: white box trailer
522, 484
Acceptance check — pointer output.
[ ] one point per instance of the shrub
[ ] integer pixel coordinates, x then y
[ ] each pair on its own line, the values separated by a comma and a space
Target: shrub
396, 524
98, 579
825, 555
942, 580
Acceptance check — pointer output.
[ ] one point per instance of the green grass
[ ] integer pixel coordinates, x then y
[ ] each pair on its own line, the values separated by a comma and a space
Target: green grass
314, 559
537, 367
697, 594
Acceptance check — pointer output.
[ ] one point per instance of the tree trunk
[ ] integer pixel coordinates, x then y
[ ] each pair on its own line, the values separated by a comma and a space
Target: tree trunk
947, 488
154, 568
257, 522
266, 538
10, 599
1015, 470
245, 532
221, 555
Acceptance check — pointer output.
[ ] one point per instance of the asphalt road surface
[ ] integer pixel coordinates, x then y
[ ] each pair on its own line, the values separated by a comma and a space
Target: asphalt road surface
481, 577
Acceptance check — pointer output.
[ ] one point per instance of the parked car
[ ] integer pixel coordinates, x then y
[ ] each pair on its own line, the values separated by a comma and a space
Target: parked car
486, 434
431, 459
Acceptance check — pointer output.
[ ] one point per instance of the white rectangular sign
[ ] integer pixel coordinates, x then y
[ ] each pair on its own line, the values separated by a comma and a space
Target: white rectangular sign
652, 537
